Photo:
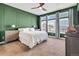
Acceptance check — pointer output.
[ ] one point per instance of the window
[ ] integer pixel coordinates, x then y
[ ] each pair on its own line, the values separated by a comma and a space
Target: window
63, 22
43, 18
53, 16
51, 23
57, 23
43, 23
51, 26
63, 14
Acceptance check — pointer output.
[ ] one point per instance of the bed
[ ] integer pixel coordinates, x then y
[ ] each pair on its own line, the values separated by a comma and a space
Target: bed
31, 37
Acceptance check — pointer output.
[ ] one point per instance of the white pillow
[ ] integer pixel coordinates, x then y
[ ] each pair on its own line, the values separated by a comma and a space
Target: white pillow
21, 29
32, 29
29, 29
26, 29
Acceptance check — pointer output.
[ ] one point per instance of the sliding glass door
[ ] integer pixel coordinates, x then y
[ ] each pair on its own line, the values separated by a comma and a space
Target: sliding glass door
43, 23
51, 26
63, 22
51, 19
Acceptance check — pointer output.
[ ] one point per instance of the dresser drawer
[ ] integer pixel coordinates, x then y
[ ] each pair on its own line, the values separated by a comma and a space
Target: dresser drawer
11, 35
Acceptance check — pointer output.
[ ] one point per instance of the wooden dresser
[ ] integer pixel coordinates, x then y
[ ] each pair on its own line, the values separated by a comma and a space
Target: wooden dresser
11, 35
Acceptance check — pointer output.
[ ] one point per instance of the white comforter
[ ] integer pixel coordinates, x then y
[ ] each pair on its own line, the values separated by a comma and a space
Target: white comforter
32, 38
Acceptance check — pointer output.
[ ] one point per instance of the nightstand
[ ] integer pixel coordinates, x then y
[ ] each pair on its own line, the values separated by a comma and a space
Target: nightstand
11, 35
2, 37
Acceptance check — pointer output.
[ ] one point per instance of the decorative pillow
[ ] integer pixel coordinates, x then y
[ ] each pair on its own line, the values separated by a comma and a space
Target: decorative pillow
26, 29
31, 29
21, 29
71, 29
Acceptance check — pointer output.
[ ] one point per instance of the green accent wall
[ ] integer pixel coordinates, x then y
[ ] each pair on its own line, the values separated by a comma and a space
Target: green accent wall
38, 22
10, 16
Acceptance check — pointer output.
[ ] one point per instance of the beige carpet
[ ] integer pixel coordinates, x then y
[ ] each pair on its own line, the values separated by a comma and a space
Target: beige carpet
52, 47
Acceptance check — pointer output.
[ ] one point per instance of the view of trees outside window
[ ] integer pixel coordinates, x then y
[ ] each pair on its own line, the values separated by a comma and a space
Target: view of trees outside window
63, 22
43, 23
51, 26
51, 23
63, 25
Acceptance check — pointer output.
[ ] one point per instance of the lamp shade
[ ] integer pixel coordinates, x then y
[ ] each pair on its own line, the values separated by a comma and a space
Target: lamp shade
13, 26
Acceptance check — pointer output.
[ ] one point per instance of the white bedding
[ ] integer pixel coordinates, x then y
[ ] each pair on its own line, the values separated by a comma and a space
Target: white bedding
32, 38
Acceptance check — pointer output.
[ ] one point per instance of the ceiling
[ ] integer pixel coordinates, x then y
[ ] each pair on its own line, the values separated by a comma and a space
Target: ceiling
51, 7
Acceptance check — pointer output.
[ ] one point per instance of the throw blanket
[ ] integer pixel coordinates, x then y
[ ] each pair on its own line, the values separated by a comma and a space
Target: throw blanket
32, 38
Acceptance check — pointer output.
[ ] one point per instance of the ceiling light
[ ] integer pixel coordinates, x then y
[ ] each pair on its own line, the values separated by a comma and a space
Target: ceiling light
40, 7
